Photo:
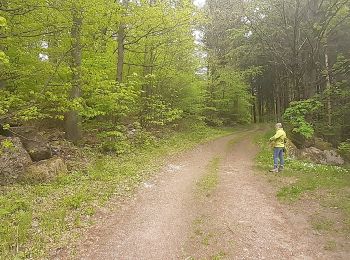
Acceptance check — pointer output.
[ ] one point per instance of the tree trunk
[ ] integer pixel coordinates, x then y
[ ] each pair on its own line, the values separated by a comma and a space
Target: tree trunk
328, 89
148, 62
253, 106
121, 47
72, 119
121, 50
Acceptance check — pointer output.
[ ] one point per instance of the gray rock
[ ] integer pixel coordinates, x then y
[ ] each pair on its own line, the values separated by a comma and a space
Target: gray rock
14, 159
36, 145
300, 141
292, 151
333, 157
316, 155
322, 144
46, 170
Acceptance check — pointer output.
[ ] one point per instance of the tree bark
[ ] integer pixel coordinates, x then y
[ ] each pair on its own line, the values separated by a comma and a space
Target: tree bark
72, 119
121, 46
328, 89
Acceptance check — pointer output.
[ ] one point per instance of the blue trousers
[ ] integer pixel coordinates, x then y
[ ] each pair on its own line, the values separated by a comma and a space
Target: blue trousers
278, 154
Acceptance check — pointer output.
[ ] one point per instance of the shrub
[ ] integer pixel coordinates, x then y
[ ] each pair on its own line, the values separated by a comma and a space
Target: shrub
298, 115
344, 149
115, 141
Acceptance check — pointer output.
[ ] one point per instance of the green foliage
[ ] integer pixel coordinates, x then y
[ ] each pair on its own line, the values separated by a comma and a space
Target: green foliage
158, 60
344, 149
298, 116
7, 144
76, 200
110, 99
2, 21
3, 58
159, 113
228, 99
141, 138
258, 36
115, 141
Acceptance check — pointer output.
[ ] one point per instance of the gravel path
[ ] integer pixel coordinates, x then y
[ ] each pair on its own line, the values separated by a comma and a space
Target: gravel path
240, 219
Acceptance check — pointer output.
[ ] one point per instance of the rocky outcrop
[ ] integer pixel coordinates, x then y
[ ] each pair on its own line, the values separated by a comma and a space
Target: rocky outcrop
298, 140
292, 151
36, 144
322, 144
17, 156
14, 159
46, 170
316, 155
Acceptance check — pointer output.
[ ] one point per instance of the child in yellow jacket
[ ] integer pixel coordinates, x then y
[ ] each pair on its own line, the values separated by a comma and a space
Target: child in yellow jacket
279, 140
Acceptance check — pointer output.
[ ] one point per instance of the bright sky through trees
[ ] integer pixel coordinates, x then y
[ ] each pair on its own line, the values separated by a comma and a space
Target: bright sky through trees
199, 3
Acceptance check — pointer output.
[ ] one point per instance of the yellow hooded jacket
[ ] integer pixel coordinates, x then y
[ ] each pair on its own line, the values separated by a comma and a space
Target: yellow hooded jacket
279, 138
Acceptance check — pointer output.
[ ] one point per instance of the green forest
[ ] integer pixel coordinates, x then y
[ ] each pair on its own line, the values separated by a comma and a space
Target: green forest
108, 85
105, 64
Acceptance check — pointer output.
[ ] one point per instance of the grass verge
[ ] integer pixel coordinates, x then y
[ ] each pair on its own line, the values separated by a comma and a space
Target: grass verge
36, 218
328, 185
208, 183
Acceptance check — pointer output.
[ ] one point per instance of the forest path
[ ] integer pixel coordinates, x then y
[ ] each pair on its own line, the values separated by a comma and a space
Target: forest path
237, 217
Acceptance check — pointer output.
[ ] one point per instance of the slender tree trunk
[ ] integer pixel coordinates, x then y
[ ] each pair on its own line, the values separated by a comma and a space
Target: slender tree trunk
121, 46
121, 50
278, 95
278, 107
260, 105
148, 61
146, 87
328, 89
72, 120
2, 46
254, 113
253, 106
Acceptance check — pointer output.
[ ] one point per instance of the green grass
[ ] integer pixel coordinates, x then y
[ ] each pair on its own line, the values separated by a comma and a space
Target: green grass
209, 181
219, 256
329, 185
330, 245
35, 218
322, 224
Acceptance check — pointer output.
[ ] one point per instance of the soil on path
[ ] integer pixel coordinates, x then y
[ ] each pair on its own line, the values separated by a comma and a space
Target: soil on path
240, 219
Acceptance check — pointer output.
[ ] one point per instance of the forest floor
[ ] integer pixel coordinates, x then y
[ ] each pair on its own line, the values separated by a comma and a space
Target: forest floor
207, 203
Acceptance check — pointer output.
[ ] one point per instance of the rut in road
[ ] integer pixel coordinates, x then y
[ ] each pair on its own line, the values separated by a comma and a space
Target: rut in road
239, 219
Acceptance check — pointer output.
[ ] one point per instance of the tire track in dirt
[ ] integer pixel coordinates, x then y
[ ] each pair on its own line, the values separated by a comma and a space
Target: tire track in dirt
155, 223
242, 219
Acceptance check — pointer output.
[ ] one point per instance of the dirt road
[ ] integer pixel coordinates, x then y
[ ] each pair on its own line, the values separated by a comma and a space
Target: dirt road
240, 218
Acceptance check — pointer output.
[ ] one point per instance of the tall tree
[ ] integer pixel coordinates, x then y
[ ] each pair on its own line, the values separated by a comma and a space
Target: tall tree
72, 121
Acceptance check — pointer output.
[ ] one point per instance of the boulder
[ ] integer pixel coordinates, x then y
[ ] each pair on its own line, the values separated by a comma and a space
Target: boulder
316, 155
46, 170
36, 144
4, 132
292, 151
14, 159
322, 144
332, 157
300, 141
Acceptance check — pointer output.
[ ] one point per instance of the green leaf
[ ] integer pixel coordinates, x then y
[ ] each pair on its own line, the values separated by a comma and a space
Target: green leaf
2, 21
3, 58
